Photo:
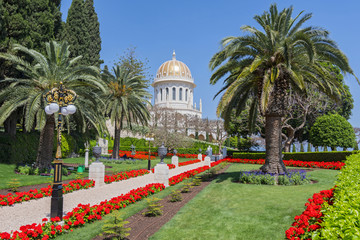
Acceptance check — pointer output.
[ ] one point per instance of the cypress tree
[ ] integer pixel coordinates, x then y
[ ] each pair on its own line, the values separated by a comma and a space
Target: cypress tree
309, 147
82, 32
93, 28
75, 30
293, 148
302, 147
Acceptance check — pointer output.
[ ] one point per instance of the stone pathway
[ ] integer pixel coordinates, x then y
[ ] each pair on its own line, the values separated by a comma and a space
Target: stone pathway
13, 217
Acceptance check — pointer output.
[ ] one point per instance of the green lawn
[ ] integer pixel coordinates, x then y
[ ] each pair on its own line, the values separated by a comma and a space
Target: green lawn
7, 171
229, 210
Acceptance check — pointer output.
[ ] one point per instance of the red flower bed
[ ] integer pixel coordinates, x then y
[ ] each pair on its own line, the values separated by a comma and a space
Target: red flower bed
189, 162
292, 163
124, 175
10, 199
81, 215
171, 166
180, 177
309, 220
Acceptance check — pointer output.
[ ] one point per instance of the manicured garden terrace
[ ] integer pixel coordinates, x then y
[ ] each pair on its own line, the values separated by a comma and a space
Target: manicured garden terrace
261, 212
229, 210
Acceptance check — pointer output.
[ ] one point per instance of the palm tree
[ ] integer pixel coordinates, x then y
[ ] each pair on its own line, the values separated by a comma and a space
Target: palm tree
126, 101
40, 74
263, 66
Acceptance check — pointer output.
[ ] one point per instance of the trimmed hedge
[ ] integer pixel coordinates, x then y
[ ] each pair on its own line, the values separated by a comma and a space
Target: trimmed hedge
302, 156
20, 149
341, 220
23, 147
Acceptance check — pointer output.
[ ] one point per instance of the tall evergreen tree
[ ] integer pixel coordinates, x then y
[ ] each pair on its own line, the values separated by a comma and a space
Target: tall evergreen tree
82, 32
75, 29
93, 28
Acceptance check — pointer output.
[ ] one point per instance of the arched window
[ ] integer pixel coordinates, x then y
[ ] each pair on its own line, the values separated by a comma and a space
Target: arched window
186, 95
161, 98
174, 94
167, 93
180, 94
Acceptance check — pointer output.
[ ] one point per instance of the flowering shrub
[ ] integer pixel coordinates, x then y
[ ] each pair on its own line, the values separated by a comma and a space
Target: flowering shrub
180, 177
311, 218
293, 177
10, 199
124, 175
292, 163
189, 162
81, 215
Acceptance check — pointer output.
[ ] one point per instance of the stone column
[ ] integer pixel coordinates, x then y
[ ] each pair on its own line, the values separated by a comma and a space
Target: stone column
207, 161
161, 172
97, 173
86, 158
175, 160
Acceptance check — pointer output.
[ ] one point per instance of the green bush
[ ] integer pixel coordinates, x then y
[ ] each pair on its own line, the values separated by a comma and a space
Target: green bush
20, 149
68, 144
341, 220
332, 131
303, 156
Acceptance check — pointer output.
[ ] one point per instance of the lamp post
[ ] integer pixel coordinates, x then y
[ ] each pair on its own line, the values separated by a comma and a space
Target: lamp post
149, 138
60, 100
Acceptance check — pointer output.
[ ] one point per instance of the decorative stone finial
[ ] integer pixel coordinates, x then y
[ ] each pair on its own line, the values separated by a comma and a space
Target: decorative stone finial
174, 55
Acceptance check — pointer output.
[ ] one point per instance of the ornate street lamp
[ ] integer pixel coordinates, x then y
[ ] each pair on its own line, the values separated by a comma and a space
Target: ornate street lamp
59, 100
149, 138
162, 151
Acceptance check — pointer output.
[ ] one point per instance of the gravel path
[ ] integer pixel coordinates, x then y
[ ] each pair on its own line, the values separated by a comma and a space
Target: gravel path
13, 217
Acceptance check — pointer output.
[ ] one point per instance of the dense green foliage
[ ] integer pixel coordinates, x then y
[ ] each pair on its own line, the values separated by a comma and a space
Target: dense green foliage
302, 156
30, 23
23, 148
20, 149
332, 131
341, 220
82, 32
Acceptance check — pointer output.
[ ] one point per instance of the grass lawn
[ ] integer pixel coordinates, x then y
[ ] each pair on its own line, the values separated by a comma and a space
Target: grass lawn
90, 231
229, 210
7, 171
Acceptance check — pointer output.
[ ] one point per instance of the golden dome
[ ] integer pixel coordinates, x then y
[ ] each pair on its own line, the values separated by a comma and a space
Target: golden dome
173, 68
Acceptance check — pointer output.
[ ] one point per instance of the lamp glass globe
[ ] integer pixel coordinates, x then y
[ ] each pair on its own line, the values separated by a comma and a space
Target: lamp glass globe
47, 110
71, 109
54, 107
64, 111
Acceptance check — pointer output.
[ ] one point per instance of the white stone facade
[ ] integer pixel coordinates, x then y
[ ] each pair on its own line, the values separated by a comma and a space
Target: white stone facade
174, 88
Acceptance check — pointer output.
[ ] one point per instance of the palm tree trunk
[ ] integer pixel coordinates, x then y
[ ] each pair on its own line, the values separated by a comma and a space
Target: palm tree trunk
46, 144
273, 161
116, 149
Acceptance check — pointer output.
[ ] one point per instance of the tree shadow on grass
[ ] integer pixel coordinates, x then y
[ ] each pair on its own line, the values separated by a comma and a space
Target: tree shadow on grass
233, 176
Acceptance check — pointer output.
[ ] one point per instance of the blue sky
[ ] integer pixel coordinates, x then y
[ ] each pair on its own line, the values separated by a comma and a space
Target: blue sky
194, 29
